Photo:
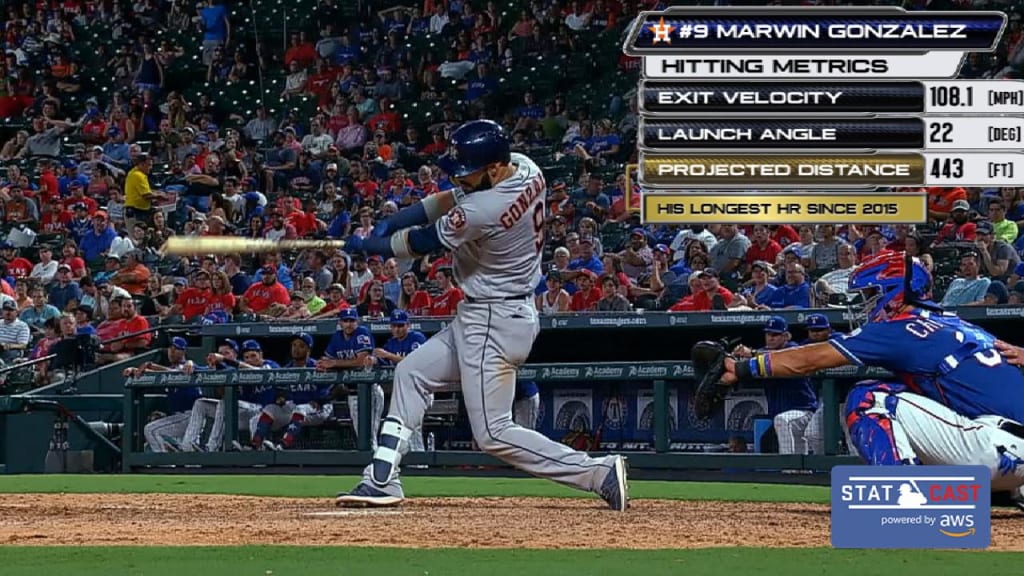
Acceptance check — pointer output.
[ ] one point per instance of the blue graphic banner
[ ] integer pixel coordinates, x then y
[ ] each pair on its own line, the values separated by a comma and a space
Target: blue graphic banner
816, 29
911, 507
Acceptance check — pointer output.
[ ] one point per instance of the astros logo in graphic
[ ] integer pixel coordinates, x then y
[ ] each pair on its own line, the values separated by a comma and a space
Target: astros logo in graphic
661, 32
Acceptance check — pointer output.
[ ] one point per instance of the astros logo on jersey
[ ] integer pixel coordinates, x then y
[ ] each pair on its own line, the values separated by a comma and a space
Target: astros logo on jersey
457, 219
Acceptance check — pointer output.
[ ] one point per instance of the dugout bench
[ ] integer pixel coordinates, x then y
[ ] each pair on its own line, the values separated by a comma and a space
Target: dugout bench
140, 394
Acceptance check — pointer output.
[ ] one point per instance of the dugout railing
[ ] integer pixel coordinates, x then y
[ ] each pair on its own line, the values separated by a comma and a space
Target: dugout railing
144, 391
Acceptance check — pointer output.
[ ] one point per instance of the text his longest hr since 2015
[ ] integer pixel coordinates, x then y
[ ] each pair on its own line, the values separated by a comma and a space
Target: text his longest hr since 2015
772, 208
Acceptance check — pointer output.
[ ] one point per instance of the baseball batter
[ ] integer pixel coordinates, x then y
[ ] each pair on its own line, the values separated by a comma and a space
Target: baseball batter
494, 225
953, 400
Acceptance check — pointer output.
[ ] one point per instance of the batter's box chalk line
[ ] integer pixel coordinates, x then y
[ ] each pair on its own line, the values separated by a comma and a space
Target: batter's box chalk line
352, 512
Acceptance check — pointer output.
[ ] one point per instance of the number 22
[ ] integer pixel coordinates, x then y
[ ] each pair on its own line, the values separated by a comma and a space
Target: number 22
538, 226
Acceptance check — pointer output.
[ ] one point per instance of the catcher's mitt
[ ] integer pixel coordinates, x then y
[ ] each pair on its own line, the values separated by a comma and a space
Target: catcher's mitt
708, 359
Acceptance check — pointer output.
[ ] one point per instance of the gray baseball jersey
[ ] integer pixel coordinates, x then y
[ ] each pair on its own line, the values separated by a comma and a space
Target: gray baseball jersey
497, 235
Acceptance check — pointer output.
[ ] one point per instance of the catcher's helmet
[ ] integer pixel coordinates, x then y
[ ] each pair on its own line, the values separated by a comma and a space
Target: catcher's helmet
474, 146
882, 280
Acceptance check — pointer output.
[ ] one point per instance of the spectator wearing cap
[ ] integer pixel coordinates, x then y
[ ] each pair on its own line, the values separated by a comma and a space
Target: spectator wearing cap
268, 297
663, 287
84, 315
590, 201
14, 333
133, 275
998, 259
554, 300
997, 294
818, 329
942, 201
55, 217
759, 291
587, 293
792, 402
65, 294
959, 228
80, 224
710, 294
200, 187
97, 241
44, 270
19, 268
637, 257
110, 267
193, 301
970, 288
71, 179
115, 149
586, 260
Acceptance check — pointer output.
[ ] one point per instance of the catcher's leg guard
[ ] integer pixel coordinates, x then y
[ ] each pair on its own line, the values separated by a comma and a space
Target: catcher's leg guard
876, 435
393, 441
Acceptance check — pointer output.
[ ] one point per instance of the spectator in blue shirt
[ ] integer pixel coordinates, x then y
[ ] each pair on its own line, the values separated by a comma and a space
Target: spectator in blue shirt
216, 28
65, 292
477, 89
760, 293
587, 259
591, 201
795, 293
96, 242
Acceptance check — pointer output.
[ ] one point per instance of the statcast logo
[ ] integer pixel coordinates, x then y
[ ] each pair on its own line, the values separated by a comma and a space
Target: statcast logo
911, 506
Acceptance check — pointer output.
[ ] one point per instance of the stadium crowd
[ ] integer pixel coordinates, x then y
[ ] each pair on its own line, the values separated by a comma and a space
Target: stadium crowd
126, 123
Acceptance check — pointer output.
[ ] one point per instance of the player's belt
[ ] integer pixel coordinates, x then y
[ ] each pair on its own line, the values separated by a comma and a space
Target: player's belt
1012, 427
472, 300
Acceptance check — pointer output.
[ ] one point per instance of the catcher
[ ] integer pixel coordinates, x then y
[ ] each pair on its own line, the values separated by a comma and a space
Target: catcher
949, 378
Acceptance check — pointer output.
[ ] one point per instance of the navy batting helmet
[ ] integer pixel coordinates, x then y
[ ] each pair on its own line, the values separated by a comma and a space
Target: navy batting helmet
474, 146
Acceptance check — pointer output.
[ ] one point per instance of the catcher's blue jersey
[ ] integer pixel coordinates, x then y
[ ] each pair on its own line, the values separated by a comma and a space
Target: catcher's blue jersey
943, 358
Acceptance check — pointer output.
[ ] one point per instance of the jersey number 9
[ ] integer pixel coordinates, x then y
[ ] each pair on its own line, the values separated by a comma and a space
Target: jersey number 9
538, 226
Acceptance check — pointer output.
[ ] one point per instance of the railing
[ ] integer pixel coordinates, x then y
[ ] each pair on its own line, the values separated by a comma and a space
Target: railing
660, 373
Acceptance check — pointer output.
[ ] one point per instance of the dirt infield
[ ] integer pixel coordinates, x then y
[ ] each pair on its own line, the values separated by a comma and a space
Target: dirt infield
165, 519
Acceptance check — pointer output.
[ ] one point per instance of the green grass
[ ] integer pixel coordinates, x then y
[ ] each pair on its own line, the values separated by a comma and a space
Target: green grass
296, 561
423, 486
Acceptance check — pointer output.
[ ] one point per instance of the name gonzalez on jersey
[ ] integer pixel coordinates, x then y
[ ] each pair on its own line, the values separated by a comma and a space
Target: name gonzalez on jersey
522, 203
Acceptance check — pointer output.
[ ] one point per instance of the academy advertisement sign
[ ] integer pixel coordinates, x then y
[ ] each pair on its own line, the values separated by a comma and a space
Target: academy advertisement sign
911, 507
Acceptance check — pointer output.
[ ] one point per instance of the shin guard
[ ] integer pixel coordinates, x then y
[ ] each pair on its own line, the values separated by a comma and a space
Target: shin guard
393, 441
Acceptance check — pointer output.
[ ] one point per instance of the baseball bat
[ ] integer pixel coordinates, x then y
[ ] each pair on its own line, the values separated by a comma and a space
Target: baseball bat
186, 245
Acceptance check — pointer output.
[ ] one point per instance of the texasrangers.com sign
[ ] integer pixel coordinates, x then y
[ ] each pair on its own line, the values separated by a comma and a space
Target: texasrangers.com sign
911, 507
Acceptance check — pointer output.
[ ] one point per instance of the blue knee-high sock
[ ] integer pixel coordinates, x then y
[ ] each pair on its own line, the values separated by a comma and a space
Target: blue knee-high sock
293, 430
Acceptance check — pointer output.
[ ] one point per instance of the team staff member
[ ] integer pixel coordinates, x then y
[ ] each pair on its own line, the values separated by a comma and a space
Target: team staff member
818, 329
351, 346
792, 402
402, 342
138, 196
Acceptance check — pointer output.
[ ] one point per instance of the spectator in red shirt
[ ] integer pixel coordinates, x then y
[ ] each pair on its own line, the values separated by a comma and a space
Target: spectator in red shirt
267, 297
958, 229
414, 301
131, 323
445, 303
387, 120
335, 302
17, 266
785, 235
49, 188
762, 247
192, 301
300, 50
587, 293
712, 295
54, 217
73, 260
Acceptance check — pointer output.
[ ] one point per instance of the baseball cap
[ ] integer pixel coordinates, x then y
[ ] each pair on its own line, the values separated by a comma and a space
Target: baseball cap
348, 314
6, 245
638, 232
64, 267
232, 343
984, 227
268, 269
179, 343
961, 205
87, 310
399, 317
332, 166
764, 266
252, 345
817, 322
9, 305
305, 337
662, 248
776, 325
375, 258
708, 272
997, 289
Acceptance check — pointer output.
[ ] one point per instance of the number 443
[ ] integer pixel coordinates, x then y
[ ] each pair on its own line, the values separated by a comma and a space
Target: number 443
947, 168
